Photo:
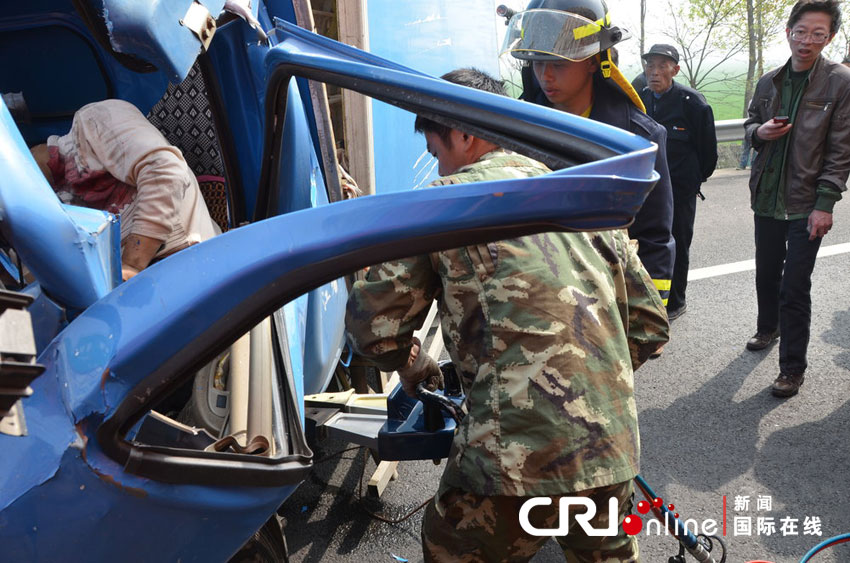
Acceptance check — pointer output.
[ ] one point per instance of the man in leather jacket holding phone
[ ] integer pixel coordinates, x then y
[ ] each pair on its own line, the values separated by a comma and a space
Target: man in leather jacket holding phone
798, 175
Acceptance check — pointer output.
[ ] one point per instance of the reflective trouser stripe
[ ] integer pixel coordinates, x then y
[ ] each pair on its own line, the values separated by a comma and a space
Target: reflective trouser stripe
663, 287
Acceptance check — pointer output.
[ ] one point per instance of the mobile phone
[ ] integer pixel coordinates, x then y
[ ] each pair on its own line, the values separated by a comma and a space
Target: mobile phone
781, 119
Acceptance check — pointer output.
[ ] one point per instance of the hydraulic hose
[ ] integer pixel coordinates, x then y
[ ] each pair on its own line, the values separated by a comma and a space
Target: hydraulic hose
825, 544
688, 540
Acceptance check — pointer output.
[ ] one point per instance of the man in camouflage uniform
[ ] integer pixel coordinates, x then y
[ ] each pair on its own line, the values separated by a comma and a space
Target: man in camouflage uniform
545, 331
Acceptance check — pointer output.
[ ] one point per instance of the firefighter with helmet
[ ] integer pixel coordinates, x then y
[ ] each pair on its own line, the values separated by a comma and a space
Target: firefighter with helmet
563, 48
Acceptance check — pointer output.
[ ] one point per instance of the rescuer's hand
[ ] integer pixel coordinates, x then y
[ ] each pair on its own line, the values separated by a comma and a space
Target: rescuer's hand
420, 367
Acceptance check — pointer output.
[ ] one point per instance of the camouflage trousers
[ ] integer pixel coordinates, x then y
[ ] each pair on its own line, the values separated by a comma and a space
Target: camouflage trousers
484, 529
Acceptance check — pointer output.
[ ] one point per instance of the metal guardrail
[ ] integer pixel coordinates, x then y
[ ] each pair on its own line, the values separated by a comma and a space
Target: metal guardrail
729, 130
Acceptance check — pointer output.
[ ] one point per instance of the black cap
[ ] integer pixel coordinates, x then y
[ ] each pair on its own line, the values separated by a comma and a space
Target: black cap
664, 50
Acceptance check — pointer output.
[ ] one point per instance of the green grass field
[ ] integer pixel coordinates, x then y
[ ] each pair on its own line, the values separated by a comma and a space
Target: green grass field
726, 97
726, 106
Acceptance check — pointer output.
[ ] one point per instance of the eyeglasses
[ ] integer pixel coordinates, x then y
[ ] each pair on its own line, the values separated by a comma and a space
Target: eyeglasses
816, 37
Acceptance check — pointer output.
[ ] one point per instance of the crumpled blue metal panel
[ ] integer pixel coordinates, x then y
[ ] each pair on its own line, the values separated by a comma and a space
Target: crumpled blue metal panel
74, 259
325, 334
321, 316
239, 69
152, 30
48, 318
30, 461
81, 507
62, 499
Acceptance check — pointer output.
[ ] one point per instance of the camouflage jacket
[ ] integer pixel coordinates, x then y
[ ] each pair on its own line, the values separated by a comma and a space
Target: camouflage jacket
545, 331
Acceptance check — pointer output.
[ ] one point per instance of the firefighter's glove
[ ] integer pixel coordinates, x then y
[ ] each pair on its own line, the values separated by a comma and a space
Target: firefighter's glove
420, 367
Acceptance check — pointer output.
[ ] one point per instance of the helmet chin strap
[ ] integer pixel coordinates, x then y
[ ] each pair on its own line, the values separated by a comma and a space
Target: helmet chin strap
605, 63
610, 70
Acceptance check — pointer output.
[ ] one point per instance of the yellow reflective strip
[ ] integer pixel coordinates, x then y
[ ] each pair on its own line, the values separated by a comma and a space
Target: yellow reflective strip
664, 302
662, 285
587, 30
591, 28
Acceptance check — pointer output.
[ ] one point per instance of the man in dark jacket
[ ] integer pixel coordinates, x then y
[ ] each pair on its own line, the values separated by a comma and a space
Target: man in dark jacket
798, 123
691, 153
565, 47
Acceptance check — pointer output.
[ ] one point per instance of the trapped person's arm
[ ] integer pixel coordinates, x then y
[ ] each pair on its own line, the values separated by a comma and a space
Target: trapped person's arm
137, 251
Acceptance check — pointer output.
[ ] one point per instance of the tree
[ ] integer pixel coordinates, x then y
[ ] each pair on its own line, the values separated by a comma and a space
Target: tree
642, 29
840, 46
705, 33
751, 61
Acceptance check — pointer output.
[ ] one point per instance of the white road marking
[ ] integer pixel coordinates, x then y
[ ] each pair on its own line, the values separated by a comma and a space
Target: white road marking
747, 265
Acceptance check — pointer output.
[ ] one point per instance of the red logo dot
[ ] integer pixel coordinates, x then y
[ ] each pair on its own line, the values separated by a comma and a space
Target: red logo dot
657, 502
643, 507
676, 515
671, 507
632, 524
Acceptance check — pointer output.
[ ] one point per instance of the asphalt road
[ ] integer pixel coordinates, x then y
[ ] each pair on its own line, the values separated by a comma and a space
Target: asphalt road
709, 426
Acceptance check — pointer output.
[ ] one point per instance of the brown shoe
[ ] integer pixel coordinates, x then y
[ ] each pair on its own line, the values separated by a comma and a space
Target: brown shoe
787, 385
762, 340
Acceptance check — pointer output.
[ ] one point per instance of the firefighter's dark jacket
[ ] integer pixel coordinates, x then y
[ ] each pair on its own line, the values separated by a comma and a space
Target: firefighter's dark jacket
691, 140
653, 222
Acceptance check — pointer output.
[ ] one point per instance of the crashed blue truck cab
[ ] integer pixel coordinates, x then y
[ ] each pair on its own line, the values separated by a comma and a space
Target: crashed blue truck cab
126, 442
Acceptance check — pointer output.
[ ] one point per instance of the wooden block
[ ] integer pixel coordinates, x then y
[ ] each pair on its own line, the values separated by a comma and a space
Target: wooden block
358, 379
326, 399
385, 471
435, 349
391, 382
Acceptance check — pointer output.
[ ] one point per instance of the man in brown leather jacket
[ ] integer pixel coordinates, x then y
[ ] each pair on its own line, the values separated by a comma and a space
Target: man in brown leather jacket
799, 122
